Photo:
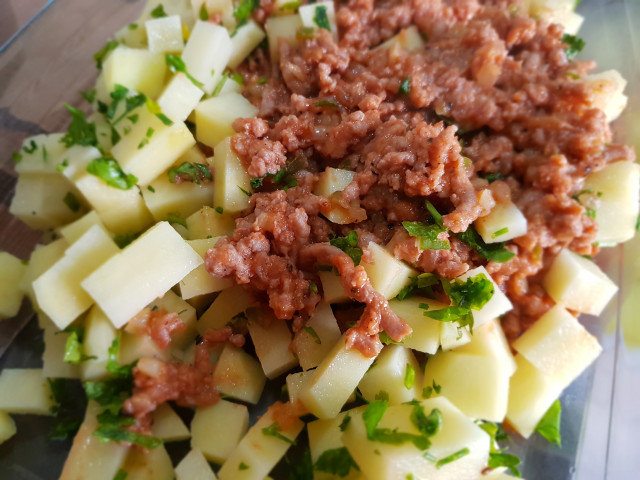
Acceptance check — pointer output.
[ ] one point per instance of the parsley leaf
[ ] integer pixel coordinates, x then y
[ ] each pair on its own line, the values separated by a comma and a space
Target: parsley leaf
124, 239
409, 377
549, 425
293, 6
101, 54
71, 201
191, 172
405, 87
301, 468
68, 408
158, 12
428, 235
452, 458
80, 131
421, 283
505, 460
120, 475
312, 333
326, 103
473, 293
321, 19
177, 219
111, 429
349, 245
574, 45
345, 423
336, 461
428, 425
274, 430
244, 10
491, 177
109, 170
73, 350
495, 252
203, 14
176, 64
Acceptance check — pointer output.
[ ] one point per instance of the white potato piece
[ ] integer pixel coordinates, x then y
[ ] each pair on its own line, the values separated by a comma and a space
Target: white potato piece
309, 14
615, 198
387, 274
53, 364
228, 304
452, 335
425, 335
607, 92
152, 464
408, 38
135, 346
90, 457
271, 338
42, 258
285, 29
7, 427
333, 180
173, 7
558, 346
504, 222
489, 340
478, 385
395, 372
214, 117
382, 461
295, 381
531, 393
58, 290
99, 334
199, 281
578, 284
134, 68
25, 391
332, 288
257, 451
206, 53
217, 429
206, 222
179, 98
245, 39
73, 231
317, 338
168, 426
194, 467
230, 179
12, 271
39, 201
498, 305
143, 271
164, 34
40, 154
238, 375
223, 7
335, 380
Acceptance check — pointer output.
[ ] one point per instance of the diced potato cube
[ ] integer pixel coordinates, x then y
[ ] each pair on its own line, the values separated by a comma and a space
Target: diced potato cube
206, 54
164, 34
152, 464
199, 281
311, 15
173, 7
75, 230
258, 451
558, 346
179, 98
489, 340
206, 222
335, 380
194, 467
615, 198
295, 381
53, 364
151, 147
271, 338
382, 461
284, 28
223, 7
42, 259
7, 427
425, 336
40, 154
607, 92
168, 426
143, 271
137, 345
58, 290
245, 39
317, 338
395, 372
387, 274
99, 334
407, 39
25, 390
332, 288
228, 304
504, 222
134, 68
531, 393
578, 283
230, 179
333, 180
91, 457
498, 305
452, 335
215, 116
133, 35
11, 272
217, 429
39, 201
238, 375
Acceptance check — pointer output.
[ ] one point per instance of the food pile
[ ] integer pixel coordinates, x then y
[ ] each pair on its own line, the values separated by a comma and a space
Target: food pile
392, 207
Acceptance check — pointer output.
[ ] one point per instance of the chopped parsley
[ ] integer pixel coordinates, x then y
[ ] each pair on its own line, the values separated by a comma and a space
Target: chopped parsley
405, 87
176, 219
428, 235
590, 212
500, 232
313, 288
495, 252
120, 475
80, 131
453, 457
262, 80
409, 377
312, 333
89, 95
420, 284
203, 14
274, 430
248, 194
336, 461
124, 239
292, 6
549, 425
220, 210
349, 245
491, 177
574, 45
158, 12
71, 201
151, 189
243, 466
508, 460
67, 408
283, 179
428, 391
244, 11
30, 147
74, 350
176, 64
321, 19
155, 109
345, 423
16, 156
101, 54
190, 172
108, 169
326, 103
112, 428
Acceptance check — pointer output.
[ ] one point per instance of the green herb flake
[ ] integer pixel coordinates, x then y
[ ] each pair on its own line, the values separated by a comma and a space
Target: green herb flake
574, 45
349, 245
495, 252
499, 459
89, 95
151, 189
155, 109
345, 423
158, 12
243, 466
491, 177
428, 235
405, 87
110, 172
305, 33
590, 212
321, 19
219, 210
291, 6
101, 54
71, 201
313, 288
176, 64
409, 377
80, 132
114, 432
256, 183
248, 194
244, 11
203, 14
549, 425
237, 77
190, 172
500, 232
312, 333
220, 85
420, 284
274, 430
124, 239
262, 80
336, 461
326, 103
16, 157
120, 475
452, 458
176, 219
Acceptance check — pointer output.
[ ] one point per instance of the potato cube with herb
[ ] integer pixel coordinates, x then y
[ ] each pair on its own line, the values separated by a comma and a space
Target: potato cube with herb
99, 335
164, 34
395, 374
179, 97
497, 305
238, 375
149, 464
217, 429
271, 338
40, 154
207, 222
285, 29
206, 54
244, 40
232, 184
12, 270
42, 258
319, 15
425, 335
229, 303
194, 466
489, 339
214, 117
73, 231
388, 275
26, 391
199, 281
317, 337
504, 222
56, 350
452, 335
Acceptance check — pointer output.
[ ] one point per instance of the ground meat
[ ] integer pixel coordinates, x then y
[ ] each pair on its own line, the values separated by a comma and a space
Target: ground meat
159, 324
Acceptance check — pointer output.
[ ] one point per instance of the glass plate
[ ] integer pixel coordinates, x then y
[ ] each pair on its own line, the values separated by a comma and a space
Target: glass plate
50, 60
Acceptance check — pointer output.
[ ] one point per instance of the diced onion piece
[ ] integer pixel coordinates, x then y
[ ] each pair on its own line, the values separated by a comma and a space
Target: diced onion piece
310, 16
40, 154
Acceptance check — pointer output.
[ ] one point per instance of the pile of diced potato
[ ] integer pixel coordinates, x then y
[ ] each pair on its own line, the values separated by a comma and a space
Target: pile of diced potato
84, 278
